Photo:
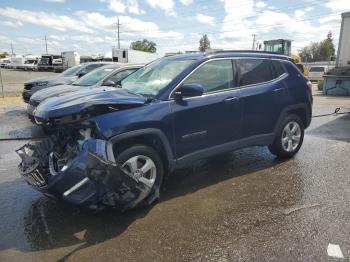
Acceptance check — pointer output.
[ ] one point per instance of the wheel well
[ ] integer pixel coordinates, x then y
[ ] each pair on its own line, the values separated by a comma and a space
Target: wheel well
301, 113
150, 140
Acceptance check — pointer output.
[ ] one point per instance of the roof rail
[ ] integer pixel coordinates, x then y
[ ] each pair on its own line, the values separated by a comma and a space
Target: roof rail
243, 51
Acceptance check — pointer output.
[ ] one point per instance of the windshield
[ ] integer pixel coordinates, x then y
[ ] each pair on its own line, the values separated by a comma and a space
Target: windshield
317, 69
72, 71
93, 77
149, 80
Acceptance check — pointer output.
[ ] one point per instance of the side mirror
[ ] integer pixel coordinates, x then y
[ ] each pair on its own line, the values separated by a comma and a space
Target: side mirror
189, 90
109, 83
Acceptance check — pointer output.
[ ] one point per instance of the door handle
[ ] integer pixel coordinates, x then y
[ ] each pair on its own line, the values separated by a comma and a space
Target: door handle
231, 99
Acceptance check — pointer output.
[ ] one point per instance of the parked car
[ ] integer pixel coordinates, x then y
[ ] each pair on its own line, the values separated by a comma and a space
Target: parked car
4, 63
31, 65
316, 73
111, 147
109, 75
66, 77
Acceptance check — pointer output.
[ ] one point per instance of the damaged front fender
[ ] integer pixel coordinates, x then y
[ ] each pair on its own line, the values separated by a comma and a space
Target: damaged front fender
83, 176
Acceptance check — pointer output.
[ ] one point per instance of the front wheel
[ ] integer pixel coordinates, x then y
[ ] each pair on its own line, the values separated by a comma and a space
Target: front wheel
144, 165
289, 137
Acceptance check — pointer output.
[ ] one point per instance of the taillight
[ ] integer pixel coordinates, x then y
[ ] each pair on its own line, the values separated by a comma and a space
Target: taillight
309, 87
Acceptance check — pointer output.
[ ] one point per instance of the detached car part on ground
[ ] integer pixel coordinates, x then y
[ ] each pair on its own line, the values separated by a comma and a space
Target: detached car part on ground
109, 75
111, 147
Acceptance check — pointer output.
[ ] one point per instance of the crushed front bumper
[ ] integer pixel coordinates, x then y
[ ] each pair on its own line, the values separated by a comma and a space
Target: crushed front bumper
90, 179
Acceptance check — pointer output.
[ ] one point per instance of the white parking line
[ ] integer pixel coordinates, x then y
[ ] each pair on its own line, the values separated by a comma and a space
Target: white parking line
334, 251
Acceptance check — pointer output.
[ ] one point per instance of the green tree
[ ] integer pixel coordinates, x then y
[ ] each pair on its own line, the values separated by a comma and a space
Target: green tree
327, 49
204, 43
319, 51
4, 55
144, 45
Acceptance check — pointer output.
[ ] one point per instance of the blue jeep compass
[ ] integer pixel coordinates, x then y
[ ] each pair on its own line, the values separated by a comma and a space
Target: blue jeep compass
111, 147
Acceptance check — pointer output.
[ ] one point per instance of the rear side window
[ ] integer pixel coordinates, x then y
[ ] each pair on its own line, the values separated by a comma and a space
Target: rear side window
118, 77
317, 69
278, 68
254, 71
213, 76
92, 67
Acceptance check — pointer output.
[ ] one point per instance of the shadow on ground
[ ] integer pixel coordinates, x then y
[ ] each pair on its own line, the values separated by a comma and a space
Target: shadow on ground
338, 129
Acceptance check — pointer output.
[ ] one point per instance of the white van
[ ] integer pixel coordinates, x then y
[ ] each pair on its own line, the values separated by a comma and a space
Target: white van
316, 73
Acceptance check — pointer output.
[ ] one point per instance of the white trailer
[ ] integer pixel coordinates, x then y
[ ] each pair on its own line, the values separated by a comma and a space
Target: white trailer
70, 58
17, 62
132, 56
343, 57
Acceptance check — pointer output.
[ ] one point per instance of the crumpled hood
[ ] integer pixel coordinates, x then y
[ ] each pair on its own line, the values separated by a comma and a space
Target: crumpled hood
53, 91
76, 102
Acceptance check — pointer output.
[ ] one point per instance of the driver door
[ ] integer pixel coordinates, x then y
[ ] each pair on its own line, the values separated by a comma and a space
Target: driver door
213, 119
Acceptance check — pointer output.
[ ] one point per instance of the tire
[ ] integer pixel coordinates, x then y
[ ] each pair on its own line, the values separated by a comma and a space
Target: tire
143, 152
289, 137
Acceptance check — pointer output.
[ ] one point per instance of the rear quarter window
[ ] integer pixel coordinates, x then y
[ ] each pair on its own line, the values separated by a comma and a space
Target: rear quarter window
278, 68
254, 71
317, 69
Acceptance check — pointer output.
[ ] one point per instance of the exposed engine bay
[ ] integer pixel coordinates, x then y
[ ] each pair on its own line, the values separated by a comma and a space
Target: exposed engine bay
73, 164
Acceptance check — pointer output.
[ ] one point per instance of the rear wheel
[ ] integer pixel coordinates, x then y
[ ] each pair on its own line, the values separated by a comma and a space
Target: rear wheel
289, 137
144, 165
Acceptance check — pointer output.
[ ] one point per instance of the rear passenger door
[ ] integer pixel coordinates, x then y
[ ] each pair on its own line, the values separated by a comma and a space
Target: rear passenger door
263, 94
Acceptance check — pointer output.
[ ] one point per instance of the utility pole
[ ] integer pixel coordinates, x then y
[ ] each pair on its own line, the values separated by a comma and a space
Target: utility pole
2, 85
46, 44
254, 37
11, 49
118, 25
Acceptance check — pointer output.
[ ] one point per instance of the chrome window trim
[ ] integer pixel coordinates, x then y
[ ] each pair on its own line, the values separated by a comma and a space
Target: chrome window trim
233, 88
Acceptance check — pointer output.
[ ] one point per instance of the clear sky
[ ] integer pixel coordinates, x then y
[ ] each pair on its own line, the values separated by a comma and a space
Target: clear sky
88, 26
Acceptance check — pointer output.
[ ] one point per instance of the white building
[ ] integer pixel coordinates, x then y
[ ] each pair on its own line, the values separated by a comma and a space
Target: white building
343, 57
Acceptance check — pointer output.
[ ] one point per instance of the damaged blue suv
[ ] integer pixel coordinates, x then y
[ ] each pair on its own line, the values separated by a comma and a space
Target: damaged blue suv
112, 147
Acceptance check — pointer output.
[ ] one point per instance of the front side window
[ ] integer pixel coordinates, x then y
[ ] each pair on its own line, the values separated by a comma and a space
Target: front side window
152, 78
213, 76
254, 71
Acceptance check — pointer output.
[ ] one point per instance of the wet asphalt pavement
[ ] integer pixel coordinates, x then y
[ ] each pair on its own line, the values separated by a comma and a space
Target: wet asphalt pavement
245, 206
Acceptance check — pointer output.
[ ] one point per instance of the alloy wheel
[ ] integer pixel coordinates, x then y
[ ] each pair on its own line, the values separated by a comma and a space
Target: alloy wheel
142, 169
291, 136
